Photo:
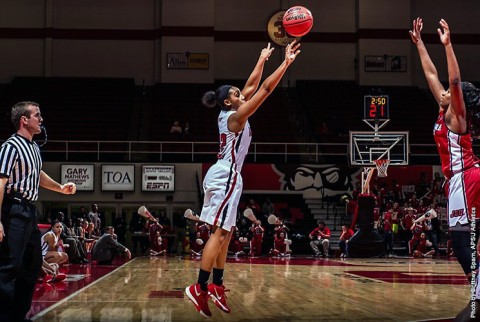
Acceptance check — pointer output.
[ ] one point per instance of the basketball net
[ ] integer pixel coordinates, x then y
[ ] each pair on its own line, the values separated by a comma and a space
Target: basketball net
382, 166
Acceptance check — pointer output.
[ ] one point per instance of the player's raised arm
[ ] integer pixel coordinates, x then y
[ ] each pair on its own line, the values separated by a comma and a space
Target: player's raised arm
456, 114
253, 81
428, 67
237, 121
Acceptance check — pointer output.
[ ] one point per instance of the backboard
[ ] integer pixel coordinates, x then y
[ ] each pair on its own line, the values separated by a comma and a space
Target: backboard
365, 147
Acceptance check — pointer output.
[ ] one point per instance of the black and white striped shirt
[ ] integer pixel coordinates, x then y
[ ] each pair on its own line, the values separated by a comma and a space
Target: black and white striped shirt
21, 163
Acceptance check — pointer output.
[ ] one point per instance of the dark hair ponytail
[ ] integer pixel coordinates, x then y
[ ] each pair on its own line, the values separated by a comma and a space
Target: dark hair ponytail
211, 98
471, 97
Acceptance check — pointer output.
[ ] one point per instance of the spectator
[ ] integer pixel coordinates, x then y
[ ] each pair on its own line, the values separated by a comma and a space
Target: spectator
431, 225
417, 230
346, 234
388, 232
75, 249
52, 246
257, 238
89, 239
107, 247
158, 245
94, 217
281, 246
203, 229
186, 129
252, 204
176, 131
268, 208
81, 214
235, 246
320, 236
197, 245
407, 222
424, 248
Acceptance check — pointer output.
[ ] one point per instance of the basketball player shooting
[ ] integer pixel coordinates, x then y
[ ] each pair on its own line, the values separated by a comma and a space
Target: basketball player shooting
223, 182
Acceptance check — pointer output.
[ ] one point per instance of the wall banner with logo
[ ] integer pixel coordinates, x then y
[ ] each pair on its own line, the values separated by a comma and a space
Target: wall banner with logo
81, 174
158, 177
118, 177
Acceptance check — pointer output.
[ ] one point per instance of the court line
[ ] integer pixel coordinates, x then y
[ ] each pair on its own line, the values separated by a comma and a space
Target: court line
54, 306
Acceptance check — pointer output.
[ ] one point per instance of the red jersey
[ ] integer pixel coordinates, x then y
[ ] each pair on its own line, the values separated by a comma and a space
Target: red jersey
408, 220
417, 230
204, 231
347, 235
387, 221
455, 150
316, 231
423, 247
280, 245
257, 232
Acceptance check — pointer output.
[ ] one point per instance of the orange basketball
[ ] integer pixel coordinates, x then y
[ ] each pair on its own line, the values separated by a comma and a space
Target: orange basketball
297, 21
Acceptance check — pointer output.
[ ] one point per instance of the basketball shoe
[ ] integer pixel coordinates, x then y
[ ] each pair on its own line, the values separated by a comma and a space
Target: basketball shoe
217, 294
199, 298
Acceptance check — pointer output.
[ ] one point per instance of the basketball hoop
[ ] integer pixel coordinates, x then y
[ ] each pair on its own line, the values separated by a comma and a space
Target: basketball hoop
382, 166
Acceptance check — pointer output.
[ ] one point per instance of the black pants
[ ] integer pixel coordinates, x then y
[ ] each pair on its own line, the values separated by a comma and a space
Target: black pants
20, 259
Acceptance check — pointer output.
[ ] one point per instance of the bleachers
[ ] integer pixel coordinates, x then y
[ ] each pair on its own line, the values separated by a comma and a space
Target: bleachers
102, 109
182, 102
78, 108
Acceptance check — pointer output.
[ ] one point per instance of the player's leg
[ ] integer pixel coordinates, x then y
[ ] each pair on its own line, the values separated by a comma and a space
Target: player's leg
216, 290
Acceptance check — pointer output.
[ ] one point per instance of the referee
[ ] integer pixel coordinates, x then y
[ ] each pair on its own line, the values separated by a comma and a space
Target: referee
20, 177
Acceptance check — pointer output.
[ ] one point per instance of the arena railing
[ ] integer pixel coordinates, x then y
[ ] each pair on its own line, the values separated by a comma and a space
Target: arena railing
183, 151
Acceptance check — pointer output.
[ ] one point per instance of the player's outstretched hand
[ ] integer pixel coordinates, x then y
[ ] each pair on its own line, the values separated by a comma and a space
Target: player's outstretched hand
445, 34
416, 31
267, 51
291, 51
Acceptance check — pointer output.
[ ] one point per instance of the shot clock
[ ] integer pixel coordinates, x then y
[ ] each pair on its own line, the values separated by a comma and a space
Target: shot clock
376, 107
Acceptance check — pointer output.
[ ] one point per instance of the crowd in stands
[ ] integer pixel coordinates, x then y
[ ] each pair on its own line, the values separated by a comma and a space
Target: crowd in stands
405, 220
400, 217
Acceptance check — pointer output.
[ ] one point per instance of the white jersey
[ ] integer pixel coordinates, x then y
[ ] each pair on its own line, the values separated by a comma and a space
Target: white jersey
233, 146
45, 244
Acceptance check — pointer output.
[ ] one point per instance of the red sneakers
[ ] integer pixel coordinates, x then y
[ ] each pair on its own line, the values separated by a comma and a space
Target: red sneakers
217, 294
52, 279
199, 298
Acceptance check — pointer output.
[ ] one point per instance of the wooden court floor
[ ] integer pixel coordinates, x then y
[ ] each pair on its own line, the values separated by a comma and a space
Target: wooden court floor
274, 289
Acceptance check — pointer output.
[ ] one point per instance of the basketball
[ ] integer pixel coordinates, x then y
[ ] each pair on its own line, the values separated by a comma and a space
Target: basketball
297, 21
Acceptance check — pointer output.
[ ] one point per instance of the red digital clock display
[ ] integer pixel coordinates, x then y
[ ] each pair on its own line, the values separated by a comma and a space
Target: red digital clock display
376, 107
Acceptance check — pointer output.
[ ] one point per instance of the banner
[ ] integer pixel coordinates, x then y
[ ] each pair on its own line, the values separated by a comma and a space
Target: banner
81, 174
118, 177
158, 178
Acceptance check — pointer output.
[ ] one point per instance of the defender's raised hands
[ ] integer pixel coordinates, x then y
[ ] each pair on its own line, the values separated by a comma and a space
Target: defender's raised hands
416, 31
445, 33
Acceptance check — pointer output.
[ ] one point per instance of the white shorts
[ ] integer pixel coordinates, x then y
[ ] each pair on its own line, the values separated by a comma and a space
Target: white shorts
463, 191
223, 187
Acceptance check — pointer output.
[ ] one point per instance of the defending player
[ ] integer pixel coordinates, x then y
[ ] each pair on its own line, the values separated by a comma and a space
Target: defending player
453, 135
